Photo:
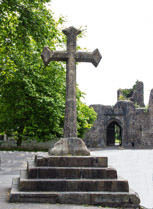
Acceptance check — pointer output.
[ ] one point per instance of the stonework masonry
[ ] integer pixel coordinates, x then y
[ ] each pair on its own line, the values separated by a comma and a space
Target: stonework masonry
70, 144
134, 121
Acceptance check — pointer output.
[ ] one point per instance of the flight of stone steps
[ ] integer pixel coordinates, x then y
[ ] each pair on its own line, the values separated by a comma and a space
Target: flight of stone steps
72, 180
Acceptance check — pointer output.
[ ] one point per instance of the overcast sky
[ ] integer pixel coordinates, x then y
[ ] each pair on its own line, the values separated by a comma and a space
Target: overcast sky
123, 32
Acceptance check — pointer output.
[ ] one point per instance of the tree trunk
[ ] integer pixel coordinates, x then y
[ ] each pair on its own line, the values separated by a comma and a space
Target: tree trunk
20, 136
19, 141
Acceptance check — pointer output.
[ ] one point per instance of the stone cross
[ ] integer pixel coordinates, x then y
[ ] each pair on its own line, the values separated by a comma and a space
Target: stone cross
71, 56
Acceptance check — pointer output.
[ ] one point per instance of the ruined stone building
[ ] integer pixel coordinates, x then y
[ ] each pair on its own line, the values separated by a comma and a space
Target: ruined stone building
128, 120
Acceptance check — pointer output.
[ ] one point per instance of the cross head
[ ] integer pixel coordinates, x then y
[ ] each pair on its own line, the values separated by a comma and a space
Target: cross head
71, 56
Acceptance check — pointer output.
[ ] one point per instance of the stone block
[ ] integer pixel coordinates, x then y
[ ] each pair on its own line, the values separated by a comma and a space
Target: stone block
73, 185
104, 199
109, 200
33, 197
31, 170
72, 161
68, 173
111, 173
74, 198
69, 146
46, 173
97, 185
113, 199
99, 173
71, 172
134, 198
14, 194
43, 185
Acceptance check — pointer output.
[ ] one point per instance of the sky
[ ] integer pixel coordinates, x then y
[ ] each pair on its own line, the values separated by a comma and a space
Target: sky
122, 30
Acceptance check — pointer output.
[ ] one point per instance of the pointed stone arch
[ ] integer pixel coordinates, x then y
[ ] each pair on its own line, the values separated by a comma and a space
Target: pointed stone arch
114, 133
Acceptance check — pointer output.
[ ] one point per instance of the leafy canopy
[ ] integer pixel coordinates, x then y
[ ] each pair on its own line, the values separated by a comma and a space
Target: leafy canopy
32, 97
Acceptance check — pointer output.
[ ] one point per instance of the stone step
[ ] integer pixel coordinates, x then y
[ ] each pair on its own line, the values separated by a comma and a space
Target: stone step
104, 199
71, 161
70, 172
112, 185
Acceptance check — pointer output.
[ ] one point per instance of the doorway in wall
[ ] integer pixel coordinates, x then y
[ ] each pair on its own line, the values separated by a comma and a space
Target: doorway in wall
114, 134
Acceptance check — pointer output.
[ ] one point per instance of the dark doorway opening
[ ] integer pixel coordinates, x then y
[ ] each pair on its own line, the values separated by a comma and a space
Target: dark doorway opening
114, 134
1, 137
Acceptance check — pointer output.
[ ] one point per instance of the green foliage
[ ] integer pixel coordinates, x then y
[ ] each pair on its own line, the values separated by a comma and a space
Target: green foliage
121, 97
32, 97
136, 105
127, 93
146, 108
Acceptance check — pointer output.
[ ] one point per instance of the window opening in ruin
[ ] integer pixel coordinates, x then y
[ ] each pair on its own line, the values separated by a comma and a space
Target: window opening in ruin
114, 134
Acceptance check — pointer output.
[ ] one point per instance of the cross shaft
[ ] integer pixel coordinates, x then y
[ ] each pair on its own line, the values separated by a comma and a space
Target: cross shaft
71, 57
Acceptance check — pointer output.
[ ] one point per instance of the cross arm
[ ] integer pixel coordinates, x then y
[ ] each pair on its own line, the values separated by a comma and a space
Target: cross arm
48, 55
93, 57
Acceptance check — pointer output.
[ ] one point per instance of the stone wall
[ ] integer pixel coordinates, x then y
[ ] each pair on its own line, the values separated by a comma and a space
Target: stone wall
136, 94
136, 124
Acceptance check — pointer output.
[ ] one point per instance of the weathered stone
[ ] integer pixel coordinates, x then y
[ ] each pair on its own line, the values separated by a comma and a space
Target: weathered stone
98, 185
134, 198
113, 199
65, 180
70, 119
71, 161
91, 173
135, 124
114, 185
136, 94
105, 199
73, 198
31, 197
69, 146
43, 185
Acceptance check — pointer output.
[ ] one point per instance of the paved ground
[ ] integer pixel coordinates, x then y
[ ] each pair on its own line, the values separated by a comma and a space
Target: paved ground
137, 167
134, 165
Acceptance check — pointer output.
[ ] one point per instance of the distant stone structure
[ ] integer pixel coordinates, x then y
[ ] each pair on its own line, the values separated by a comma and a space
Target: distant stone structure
128, 120
134, 94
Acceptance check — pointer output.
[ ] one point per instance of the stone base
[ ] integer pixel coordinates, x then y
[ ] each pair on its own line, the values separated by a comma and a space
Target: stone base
83, 180
69, 146
129, 200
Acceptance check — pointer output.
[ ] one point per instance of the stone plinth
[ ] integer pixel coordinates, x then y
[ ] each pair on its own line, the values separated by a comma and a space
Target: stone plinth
73, 180
71, 161
69, 146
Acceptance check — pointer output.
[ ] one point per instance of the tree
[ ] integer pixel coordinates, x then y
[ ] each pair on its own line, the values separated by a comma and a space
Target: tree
32, 97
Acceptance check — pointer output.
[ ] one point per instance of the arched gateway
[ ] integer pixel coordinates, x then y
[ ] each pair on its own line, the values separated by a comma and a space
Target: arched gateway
127, 123
114, 134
